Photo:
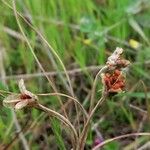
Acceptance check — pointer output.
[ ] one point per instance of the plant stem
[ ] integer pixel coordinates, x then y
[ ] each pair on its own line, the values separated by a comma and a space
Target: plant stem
85, 129
120, 137
61, 118
76, 101
94, 87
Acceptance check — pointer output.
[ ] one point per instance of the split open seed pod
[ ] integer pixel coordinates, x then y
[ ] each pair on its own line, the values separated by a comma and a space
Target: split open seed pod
19, 101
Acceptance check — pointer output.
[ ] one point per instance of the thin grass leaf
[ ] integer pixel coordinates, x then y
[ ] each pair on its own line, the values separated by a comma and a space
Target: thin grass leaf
55, 124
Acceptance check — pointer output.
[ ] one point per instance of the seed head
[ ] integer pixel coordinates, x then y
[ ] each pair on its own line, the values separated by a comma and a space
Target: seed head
19, 101
113, 78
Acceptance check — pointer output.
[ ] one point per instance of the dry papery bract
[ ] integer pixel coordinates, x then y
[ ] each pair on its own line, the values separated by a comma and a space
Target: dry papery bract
19, 101
115, 61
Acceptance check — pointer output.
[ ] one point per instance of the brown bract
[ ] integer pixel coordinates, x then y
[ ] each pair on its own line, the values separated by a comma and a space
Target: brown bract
113, 79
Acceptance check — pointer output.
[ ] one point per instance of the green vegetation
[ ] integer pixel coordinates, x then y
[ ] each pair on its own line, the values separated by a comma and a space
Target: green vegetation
82, 33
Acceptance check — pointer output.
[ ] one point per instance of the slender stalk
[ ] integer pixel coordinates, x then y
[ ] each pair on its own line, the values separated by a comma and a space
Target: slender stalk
61, 118
94, 87
64, 95
85, 128
76, 102
92, 110
120, 137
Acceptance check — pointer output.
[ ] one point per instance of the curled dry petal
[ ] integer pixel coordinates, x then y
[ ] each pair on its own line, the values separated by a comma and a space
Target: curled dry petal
24, 91
21, 104
22, 87
11, 100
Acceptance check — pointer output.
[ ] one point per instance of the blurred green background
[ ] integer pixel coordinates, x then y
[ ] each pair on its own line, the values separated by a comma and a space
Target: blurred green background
83, 33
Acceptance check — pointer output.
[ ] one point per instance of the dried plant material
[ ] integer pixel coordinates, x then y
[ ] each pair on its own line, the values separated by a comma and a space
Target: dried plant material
11, 100
113, 79
115, 56
25, 93
115, 60
19, 101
